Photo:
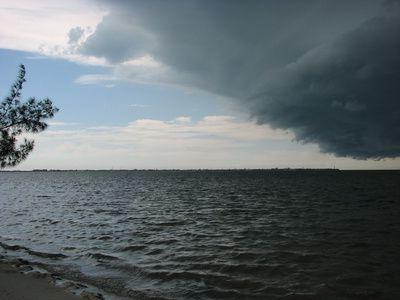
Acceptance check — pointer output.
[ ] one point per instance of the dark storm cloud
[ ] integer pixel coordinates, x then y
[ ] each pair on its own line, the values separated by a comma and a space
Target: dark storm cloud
325, 69
117, 39
343, 96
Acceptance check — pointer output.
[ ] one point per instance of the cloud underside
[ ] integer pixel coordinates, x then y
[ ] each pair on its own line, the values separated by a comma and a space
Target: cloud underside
345, 96
328, 71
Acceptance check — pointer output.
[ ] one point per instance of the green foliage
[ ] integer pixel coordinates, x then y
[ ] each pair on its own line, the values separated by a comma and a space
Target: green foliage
18, 117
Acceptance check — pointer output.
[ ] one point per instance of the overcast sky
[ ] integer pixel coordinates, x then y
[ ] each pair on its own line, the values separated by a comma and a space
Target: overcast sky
209, 84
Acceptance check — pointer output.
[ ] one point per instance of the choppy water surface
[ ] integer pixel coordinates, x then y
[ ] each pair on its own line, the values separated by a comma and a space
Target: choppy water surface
210, 234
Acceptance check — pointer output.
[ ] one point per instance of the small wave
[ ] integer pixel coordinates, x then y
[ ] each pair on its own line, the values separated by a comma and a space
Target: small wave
162, 242
168, 275
236, 268
101, 256
100, 210
46, 220
212, 279
155, 252
273, 291
169, 223
351, 279
191, 257
303, 296
13, 247
217, 293
14, 224
279, 256
133, 248
68, 248
129, 268
248, 255
111, 212
104, 238
46, 254
32, 252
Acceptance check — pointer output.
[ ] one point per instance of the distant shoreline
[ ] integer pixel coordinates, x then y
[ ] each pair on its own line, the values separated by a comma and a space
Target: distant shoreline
204, 170
172, 170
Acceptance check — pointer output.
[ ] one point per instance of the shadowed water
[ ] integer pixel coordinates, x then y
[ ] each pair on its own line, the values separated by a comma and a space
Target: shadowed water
210, 234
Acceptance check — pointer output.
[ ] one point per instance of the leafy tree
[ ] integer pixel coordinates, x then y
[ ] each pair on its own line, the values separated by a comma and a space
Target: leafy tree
18, 117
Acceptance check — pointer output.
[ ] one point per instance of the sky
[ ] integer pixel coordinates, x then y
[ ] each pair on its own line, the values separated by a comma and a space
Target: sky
209, 84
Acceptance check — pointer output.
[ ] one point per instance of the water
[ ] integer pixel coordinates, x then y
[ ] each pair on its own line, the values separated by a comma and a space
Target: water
210, 234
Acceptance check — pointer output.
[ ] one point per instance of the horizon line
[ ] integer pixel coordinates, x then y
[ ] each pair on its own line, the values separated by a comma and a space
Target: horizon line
199, 169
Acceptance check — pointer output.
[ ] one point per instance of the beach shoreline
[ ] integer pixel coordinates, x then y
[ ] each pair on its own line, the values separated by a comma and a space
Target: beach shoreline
18, 284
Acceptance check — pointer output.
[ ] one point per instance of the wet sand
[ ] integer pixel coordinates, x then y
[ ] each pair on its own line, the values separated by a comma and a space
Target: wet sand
17, 286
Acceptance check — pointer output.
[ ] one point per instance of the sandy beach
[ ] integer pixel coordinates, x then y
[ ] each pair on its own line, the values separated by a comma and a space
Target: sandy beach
17, 286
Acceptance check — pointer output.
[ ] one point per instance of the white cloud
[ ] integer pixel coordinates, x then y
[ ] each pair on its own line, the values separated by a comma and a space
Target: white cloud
137, 105
183, 119
100, 79
212, 142
143, 61
58, 123
43, 26
143, 70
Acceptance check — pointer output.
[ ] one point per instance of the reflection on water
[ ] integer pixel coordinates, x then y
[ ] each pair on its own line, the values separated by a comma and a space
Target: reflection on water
210, 234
